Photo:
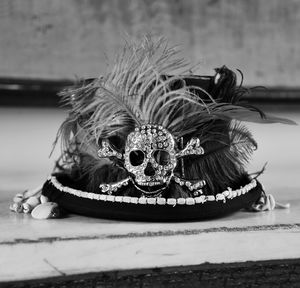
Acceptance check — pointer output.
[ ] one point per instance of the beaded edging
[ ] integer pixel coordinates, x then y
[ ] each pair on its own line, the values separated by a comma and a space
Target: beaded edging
227, 194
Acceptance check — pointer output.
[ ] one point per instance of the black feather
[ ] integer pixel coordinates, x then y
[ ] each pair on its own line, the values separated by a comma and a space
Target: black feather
228, 148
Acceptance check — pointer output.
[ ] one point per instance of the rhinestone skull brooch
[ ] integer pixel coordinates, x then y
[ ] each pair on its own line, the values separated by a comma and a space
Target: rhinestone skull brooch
150, 159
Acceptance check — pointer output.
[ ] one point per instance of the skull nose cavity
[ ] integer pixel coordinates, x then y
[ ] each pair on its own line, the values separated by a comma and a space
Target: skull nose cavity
149, 170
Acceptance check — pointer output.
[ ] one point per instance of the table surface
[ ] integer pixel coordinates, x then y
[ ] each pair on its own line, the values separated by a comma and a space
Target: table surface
32, 249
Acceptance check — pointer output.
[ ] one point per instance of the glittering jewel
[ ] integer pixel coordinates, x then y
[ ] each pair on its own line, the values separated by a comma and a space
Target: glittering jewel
150, 158
191, 185
107, 151
113, 187
193, 147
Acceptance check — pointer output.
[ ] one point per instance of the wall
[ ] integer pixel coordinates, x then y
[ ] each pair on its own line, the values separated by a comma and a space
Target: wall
64, 39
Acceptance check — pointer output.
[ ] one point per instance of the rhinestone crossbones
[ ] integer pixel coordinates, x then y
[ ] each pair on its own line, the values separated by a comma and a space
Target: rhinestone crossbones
150, 159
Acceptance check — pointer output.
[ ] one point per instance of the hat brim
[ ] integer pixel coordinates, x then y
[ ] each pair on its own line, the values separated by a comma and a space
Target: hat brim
58, 189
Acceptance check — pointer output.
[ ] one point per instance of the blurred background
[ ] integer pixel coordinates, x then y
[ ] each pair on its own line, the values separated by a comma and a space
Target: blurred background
62, 39
46, 44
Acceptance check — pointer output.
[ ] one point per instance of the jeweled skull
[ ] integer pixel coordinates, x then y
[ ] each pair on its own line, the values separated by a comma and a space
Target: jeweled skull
150, 155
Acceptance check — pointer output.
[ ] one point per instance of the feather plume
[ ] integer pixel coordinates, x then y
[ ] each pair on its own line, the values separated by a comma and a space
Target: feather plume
228, 148
138, 91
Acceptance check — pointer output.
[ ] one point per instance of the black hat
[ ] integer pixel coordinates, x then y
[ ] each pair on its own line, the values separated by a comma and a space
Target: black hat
152, 141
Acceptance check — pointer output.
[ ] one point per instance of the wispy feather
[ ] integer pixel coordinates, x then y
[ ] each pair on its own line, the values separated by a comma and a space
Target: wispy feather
140, 90
228, 148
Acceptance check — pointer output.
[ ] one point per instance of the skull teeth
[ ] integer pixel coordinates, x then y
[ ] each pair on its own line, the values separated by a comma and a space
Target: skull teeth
155, 183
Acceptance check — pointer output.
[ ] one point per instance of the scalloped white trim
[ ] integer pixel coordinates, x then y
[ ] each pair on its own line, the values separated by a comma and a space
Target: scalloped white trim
228, 194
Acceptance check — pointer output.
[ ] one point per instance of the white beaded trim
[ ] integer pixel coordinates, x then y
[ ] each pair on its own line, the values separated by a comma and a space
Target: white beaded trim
228, 194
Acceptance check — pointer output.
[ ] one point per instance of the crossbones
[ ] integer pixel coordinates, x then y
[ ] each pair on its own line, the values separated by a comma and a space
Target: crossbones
150, 159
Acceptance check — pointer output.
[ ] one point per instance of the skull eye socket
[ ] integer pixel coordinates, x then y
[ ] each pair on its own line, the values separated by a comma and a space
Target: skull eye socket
162, 157
136, 157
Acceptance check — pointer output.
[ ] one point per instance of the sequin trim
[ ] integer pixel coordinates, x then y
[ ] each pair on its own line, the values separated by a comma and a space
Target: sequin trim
227, 194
